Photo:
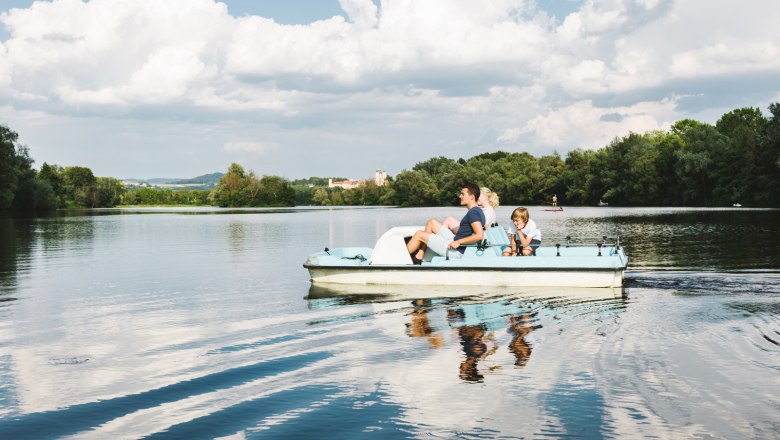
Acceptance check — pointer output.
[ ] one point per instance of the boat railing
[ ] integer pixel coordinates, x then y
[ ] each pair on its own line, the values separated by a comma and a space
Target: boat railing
565, 241
606, 242
568, 241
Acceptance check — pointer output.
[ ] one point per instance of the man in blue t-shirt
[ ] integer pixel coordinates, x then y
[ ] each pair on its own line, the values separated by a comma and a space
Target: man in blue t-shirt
440, 239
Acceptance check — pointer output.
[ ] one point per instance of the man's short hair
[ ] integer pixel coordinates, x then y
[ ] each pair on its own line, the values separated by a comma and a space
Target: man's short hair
473, 190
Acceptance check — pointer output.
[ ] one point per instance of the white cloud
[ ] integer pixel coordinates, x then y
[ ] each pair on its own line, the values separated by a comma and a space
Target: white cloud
432, 76
584, 125
721, 58
363, 13
110, 52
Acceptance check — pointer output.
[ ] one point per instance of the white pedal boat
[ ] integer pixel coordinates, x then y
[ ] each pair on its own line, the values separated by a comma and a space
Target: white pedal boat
557, 263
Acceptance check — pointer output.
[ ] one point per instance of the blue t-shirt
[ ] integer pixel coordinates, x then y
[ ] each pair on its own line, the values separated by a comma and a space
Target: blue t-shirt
475, 214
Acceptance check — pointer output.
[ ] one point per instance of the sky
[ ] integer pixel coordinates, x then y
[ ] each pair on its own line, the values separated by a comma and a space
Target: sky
300, 88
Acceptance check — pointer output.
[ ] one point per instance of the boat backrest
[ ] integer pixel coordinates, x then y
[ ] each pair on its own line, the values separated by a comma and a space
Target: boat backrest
391, 246
496, 238
496, 235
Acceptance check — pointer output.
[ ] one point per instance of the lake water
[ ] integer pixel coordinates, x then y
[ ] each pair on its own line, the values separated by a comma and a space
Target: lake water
182, 323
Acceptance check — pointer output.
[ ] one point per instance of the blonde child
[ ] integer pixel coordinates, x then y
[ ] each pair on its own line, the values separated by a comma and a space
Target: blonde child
526, 237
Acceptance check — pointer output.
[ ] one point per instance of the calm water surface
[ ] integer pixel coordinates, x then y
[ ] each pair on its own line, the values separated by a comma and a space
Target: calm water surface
159, 323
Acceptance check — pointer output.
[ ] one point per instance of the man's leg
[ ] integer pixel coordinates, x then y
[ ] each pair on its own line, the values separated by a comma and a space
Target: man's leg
417, 243
452, 224
432, 226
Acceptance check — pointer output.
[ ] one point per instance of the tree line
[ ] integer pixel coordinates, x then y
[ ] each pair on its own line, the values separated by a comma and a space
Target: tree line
239, 188
25, 189
736, 160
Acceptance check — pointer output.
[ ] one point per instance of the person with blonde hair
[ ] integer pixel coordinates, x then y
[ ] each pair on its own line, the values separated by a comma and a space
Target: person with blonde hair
488, 201
526, 237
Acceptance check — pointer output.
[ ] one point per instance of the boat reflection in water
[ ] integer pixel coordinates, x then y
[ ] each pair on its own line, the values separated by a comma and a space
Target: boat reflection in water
487, 325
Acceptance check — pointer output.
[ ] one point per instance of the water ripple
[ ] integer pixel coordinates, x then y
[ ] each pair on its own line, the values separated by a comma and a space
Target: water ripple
173, 325
77, 418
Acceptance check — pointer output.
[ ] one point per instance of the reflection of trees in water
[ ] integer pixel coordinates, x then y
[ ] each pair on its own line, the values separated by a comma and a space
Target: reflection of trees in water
16, 236
51, 234
72, 232
690, 239
237, 236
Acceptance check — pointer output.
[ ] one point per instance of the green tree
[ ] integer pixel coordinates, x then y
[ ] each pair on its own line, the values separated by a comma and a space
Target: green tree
27, 188
303, 195
9, 169
252, 191
109, 191
80, 187
147, 196
336, 198
369, 194
632, 172
740, 164
474, 170
228, 192
276, 191
767, 187
239, 188
415, 188
131, 197
702, 150
550, 179
20, 189
522, 175
574, 177
321, 197
445, 174
52, 174
436, 166
669, 186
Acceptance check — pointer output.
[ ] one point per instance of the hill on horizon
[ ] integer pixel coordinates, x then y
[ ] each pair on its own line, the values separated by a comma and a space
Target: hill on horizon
205, 179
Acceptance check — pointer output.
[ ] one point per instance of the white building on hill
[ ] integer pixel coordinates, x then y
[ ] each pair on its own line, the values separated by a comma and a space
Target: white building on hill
346, 184
380, 178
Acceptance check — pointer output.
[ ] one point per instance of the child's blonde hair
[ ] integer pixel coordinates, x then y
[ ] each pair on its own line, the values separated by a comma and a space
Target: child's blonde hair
520, 213
491, 196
